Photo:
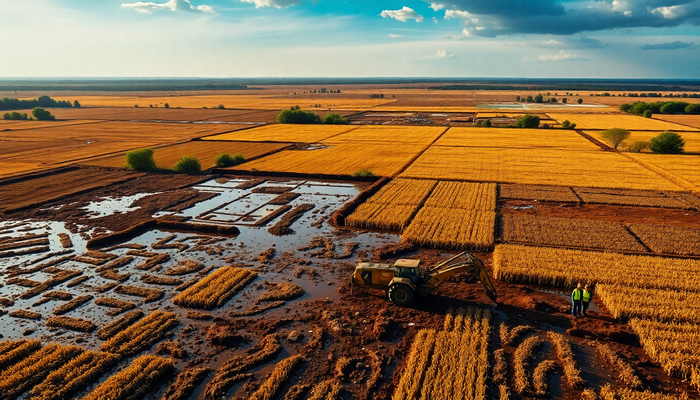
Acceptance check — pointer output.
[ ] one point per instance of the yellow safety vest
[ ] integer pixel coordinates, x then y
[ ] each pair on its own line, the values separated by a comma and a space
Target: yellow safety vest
576, 294
586, 295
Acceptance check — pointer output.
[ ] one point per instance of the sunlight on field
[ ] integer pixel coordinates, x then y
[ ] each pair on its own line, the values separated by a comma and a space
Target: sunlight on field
625, 121
511, 137
692, 139
390, 134
286, 133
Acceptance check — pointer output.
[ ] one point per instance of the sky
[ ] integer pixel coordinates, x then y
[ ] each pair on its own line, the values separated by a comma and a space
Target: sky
351, 38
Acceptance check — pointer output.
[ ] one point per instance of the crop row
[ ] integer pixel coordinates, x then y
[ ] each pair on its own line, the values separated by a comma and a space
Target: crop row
676, 347
659, 304
74, 376
215, 289
142, 335
278, 378
464, 195
453, 229
566, 268
135, 381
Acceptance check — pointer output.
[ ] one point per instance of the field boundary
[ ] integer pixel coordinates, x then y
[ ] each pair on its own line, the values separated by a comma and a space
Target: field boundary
416, 157
599, 250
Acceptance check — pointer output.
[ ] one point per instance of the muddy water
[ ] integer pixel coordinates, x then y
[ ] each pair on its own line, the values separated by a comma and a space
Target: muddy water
232, 206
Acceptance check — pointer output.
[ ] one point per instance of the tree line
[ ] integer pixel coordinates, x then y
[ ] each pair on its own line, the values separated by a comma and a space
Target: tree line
296, 115
42, 101
660, 107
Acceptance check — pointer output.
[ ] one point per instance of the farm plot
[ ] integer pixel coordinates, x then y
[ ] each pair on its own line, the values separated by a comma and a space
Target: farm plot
660, 305
285, 133
687, 120
566, 232
681, 168
205, 151
538, 192
673, 346
514, 138
390, 134
639, 198
26, 193
216, 289
342, 159
143, 114
457, 215
625, 121
11, 126
539, 167
449, 364
393, 207
566, 268
669, 239
692, 139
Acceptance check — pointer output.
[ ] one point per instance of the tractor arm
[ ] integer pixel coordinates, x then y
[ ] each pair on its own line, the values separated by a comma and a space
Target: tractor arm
443, 271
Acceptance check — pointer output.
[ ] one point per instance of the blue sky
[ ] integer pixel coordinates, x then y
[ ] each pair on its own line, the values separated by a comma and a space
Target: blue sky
336, 38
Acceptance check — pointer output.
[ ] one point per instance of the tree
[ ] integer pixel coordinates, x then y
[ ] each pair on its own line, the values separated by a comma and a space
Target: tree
363, 173
530, 99
42, 115
76, 104
693, 109
188, 165
166, 105
487, 123
528, 121
616, 136
539, 99
667, 143
647, 114
517, 98
140, 160
564, 100
335, 119
579, 101
568, 125
225, 160
221, 107
298, 117
638, 145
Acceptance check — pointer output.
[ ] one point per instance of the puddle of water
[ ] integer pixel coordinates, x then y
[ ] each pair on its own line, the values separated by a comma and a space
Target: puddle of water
567, 296
113, 205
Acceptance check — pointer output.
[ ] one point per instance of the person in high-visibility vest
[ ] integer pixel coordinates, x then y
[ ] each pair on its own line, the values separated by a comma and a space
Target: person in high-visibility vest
576, 298
586, 297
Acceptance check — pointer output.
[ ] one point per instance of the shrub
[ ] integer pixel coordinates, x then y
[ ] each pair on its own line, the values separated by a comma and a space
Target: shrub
42, 115
226, 160
76, 104
221, 107
579, 101
297, 116
487, 123
188, 165
363, 173
638, 146
528, 121
335, 119
140, 160
616, 136
166, 105
647, 114
568, 125
667, 143
15, 116
693, 109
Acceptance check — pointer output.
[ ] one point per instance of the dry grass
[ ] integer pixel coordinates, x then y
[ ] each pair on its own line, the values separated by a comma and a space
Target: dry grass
566, 268
572, 373
390, 134
149, 295
142, 335
539, 193
623, 368
185, 267
278, 378
205, 151
464, 195
13, 351
541, 376
569, 232
326, 390
73, 324
134, 382
625, 121
640, 198
661, 305
683, 169
341, 159
542, 166
74, 376
118, 325
119, 306
456, 229
215, 289
25, 314
174, 349
500, 367
510, 337
514, 138
160, 280
688, 120
608, 393
521, 362
72, 305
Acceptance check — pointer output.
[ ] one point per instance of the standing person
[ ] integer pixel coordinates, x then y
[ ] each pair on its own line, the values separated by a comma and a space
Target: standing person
586, 297
576, 297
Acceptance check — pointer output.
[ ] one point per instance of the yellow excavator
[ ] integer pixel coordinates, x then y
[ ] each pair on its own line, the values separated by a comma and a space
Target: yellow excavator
405, 280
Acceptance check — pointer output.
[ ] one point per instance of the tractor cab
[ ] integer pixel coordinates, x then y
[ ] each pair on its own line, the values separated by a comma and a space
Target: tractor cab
411, 270
381, 275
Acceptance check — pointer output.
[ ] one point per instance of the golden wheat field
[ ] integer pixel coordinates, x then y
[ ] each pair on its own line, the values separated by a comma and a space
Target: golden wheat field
285, 133
685, 120
625, 121
456, 229
514, 138
692, 139
390, 134
541, 166
341, 159
205, 151
683, 169
661, 305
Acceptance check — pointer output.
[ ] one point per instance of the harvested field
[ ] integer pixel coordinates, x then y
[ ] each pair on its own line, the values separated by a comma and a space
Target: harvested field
464, 195
686, 120
624, 121
144, 374
216, 289
662, 305
642, 198
342, 159
205, 151
684, 169
382, 134
32, 192
669, 239
537, 192
285, 133
569, 233
120, 324
145, 114
542, 167
514, 138
141, 335
460, 229
566, 268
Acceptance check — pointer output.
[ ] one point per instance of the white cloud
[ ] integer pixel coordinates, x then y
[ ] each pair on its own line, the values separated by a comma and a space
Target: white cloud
436, 6
273, 3
560, 56
441, 54
391, 35
172, 5
403, 14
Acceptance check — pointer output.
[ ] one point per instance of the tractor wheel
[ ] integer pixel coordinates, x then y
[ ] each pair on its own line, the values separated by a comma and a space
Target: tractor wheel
401, 295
